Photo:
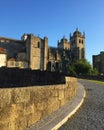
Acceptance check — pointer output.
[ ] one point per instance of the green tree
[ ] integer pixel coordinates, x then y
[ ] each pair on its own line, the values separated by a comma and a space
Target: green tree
71, 70
94, 72
82, 67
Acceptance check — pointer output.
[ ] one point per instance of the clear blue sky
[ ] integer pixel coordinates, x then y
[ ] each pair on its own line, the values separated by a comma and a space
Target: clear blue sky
55, 18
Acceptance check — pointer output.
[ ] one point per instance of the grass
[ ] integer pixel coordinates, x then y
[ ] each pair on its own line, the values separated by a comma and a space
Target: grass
96, 81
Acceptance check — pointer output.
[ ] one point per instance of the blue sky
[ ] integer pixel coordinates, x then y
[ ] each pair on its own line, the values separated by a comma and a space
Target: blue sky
54, 19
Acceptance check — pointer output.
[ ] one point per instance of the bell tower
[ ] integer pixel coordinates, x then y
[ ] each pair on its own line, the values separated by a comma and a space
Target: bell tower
77, 45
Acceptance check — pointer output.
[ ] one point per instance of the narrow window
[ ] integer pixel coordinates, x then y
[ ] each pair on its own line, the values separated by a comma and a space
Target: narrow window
38, 44
79, 41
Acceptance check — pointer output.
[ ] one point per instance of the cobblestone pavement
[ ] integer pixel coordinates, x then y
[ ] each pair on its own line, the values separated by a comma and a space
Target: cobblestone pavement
91, 115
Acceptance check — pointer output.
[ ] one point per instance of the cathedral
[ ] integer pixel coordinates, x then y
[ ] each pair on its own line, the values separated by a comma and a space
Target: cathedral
34, 53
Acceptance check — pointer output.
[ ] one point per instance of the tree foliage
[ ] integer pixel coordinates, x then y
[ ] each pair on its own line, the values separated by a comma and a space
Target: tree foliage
72, 70
82, 67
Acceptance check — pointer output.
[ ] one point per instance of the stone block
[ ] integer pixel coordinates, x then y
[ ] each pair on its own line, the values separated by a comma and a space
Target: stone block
20, 95
41, 106
29, 108
5, 97
61, 94
53, 104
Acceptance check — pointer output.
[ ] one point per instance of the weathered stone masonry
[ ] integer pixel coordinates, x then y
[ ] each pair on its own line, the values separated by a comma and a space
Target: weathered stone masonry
21, 107
34, 53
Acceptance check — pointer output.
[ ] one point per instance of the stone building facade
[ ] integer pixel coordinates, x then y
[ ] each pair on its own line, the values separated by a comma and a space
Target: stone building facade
98, 62
3, 57
77, 45
34, 53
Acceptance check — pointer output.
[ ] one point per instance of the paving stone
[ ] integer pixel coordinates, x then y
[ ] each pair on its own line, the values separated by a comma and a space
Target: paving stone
91, 114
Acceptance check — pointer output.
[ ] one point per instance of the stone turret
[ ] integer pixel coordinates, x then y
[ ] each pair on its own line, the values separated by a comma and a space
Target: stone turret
44, 53
64, 44
77, 45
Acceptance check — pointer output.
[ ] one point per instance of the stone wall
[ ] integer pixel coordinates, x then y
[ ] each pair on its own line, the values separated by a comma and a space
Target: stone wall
21, 107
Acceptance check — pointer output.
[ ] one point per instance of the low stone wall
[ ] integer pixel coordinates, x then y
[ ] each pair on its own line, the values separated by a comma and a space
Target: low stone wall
22, 107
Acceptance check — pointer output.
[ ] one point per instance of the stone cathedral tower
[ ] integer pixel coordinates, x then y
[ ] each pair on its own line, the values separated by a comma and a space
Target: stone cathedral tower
77, 45
36, 51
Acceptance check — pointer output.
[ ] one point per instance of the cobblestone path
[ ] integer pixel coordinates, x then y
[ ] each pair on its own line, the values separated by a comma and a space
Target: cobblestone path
91, 114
